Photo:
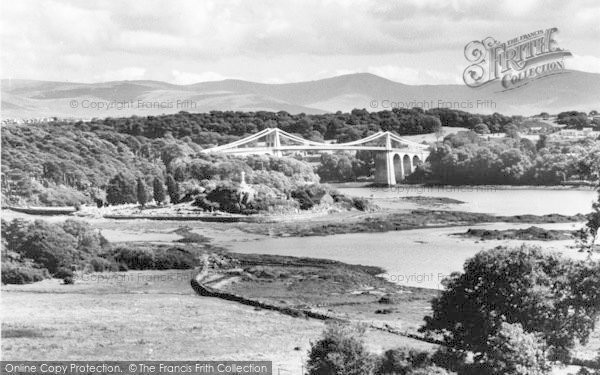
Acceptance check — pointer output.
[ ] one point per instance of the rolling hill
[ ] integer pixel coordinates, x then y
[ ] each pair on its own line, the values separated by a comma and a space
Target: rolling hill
572, 90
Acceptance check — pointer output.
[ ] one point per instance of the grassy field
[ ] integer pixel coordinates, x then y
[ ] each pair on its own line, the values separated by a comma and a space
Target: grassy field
152, 315
141, 315
352, 293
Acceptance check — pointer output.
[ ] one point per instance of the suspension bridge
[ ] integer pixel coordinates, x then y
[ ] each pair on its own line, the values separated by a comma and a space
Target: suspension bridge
395, 157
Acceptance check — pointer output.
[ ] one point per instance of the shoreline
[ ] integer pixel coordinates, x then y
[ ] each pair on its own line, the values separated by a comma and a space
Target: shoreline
467, 188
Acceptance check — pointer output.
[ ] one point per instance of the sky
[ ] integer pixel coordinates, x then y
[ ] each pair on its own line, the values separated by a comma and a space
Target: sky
275, 41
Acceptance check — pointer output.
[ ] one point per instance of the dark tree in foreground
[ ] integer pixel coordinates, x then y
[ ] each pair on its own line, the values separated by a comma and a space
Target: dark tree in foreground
142, 196
158, 190
544, 292
121, 190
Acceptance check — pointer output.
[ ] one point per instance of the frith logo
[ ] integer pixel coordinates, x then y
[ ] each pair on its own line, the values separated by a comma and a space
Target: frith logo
515, 62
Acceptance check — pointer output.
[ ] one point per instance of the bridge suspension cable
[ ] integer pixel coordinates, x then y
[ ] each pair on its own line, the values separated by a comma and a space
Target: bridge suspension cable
304, 144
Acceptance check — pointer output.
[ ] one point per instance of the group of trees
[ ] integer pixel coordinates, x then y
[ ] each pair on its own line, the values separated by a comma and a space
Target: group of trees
466, 158
514, 310
341, 350
123, 188
63, 165
69, 163
218, 127
346, 167
578, 120
510, 311
33, 251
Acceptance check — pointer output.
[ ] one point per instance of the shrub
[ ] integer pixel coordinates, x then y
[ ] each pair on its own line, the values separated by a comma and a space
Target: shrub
340, 350
512, 351
450, 359
401, 361
270, 204
13, 273
134, 258
63, 272
174, 258
227, 197
362, 204
308, 196
154, 259
101, 264
388, 299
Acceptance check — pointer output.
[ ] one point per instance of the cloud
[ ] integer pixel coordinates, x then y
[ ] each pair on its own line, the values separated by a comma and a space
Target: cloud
77, 40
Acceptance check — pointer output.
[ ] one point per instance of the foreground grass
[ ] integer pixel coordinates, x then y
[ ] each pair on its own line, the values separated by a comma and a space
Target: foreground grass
152, 315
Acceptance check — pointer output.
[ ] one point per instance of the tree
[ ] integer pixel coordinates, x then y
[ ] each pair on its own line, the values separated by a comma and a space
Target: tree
511, 130
592, 226
545, 293
542, 142
49, 245
341, 350
158, 190
431, 124
142, 195
172, 189
573, 119
121, 190
481, 129
345, 168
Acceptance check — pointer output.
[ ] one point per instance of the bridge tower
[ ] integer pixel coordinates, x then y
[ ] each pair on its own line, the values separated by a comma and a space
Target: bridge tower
273, 141
384, 164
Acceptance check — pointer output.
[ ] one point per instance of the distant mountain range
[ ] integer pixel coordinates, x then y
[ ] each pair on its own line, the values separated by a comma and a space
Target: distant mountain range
21, 99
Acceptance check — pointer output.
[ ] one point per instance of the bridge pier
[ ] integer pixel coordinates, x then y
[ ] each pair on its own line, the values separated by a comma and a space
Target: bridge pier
384, 168
392, 167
